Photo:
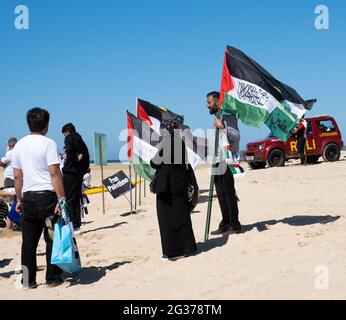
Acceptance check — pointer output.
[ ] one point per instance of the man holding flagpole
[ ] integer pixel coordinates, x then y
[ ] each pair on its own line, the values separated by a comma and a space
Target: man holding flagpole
224, 180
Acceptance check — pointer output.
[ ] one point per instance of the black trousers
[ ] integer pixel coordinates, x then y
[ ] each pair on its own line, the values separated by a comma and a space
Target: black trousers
73, 191
224, 184
301, 148
36, 208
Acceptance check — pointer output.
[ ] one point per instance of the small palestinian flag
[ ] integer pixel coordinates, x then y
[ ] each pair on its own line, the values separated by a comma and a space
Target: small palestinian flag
142, 146
232, 158
255, 97
153, 116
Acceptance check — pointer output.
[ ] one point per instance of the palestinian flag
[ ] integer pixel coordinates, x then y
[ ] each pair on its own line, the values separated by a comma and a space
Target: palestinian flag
255, 97
231, 158
142, 146
153, 116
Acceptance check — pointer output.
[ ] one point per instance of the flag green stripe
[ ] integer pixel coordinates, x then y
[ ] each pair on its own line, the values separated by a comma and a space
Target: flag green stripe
246, 113
142, 168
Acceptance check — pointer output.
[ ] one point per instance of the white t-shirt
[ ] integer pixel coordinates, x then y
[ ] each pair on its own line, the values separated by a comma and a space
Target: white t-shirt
7, 160
33, 154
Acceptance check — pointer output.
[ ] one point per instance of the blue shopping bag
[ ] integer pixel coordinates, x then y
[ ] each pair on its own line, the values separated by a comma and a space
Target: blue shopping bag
14, 216
65, 252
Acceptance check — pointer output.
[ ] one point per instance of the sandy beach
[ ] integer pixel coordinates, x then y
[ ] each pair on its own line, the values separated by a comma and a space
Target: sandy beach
294, 222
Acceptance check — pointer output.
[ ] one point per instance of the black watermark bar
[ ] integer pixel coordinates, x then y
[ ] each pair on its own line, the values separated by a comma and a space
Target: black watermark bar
194, 309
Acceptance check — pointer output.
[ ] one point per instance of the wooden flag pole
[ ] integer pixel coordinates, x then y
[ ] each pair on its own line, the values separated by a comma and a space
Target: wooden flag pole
135, 191
102, 177
140, 191
211, 188
130, 173
145, 188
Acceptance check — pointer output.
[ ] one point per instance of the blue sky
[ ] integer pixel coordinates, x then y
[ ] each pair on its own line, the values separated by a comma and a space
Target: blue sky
86, 61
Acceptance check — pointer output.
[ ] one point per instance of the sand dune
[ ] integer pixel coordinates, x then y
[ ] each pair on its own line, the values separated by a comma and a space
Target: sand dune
294, 230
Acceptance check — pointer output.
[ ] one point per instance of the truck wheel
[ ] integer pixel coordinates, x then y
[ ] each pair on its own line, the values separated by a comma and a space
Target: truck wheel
331, 152
257, 165
312, 159
276, 158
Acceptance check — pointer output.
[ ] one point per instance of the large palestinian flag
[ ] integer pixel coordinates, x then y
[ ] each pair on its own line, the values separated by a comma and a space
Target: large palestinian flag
153, 116
255, 97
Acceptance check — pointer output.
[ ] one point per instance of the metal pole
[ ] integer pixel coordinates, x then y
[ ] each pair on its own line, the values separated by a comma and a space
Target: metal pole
130, 173
140, 190
135, 191
211, 188
145, 188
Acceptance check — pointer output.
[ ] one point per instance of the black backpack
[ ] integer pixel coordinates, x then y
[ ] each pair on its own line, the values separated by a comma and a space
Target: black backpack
193, 189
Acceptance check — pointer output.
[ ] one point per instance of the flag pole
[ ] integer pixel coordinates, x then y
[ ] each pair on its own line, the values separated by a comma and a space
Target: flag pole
211, 188
140, 190
136, 191
102, 177
130, 174
145, 188
136, 171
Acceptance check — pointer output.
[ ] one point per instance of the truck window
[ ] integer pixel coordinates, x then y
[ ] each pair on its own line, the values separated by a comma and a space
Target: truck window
326, 125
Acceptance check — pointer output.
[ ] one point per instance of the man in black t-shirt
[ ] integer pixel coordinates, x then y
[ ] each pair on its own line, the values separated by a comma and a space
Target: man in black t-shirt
76, 165
224, 180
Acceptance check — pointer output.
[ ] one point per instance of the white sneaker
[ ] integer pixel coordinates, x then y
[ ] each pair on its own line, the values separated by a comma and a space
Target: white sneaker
165, 258
77, 232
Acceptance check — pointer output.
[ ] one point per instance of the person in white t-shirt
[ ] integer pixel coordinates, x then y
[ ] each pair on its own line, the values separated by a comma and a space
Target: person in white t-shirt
6, 163
40, 193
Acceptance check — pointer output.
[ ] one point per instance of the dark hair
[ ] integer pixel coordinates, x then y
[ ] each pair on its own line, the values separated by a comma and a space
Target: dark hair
69, 127
37, 119
12, 141
214, 94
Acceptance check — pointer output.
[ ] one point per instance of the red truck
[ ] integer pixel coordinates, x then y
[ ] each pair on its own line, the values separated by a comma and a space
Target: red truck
323, 139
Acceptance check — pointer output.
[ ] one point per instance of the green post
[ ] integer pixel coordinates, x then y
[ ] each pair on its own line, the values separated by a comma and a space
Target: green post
211, 189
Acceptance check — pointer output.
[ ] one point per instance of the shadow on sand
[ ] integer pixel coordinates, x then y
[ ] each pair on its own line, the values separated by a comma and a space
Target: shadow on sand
115, 225
90, 275
203, 199
133, 212
84, 223
5, 262
296, 221
212, 244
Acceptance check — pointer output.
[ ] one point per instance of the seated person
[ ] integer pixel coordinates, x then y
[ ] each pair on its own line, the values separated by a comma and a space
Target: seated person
8, 216
6, 195
3, 213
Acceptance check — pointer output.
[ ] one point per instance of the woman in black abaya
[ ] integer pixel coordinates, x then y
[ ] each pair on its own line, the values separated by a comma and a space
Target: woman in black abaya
171, 187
